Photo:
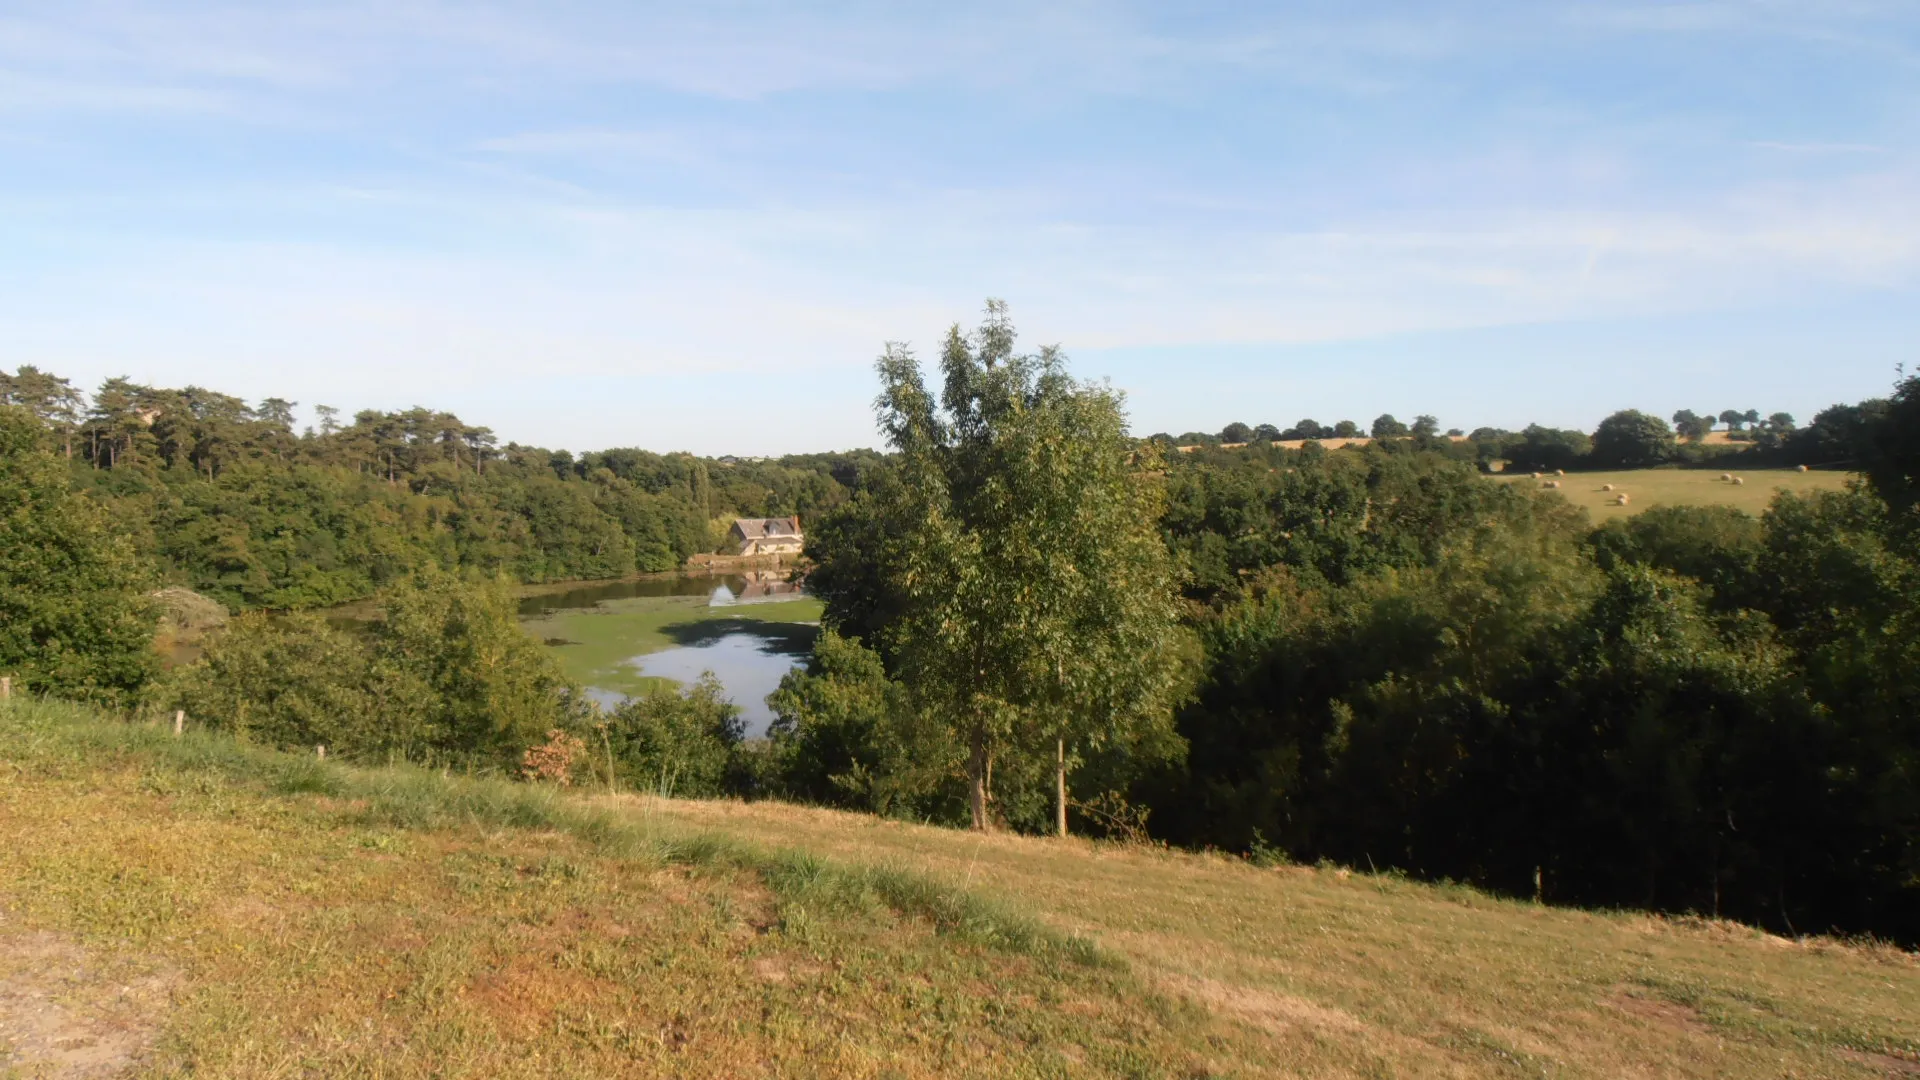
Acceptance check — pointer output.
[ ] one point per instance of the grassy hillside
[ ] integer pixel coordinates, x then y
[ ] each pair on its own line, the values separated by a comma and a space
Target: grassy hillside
1683, 487
192, 907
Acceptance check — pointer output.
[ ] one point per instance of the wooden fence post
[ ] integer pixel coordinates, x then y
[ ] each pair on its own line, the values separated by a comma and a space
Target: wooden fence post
179, 721
6, 687
321, 751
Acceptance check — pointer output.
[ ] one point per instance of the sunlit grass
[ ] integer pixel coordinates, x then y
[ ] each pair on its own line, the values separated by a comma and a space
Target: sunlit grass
1681, 487
311, 918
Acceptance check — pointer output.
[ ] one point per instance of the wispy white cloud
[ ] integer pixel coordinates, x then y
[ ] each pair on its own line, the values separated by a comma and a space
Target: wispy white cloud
411, 193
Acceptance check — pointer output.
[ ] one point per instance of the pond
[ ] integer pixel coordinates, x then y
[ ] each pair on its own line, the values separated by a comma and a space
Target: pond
618, 637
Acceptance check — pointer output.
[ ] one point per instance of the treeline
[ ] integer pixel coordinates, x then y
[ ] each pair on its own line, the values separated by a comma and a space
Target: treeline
228, 500
1628, 439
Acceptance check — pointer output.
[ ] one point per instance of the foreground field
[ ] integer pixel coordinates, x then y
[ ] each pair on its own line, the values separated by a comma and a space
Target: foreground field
192, 908
1683, 487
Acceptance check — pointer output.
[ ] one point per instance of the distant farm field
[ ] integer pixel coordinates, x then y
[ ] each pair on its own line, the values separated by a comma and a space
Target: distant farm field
1682, 487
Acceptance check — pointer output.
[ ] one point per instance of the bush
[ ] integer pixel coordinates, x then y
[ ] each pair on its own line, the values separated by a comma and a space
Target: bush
671, 742
295, 682
449, 676
847, 735
74, 617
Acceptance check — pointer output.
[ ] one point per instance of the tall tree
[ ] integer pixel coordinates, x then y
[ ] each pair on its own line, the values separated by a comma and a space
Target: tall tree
1890, 450
1037, 599
1386, 427
74, 619
1632, 439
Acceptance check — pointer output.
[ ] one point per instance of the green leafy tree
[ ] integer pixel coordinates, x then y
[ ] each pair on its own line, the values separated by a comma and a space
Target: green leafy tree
74, 617
1545, 449
496, 691
1346, 429
674, 742
846, 734
295, 682
1426, 426
1631, 439
1717, 546
50, 398
1692, 425
1236, 432
1890, 449
1033, 587
1386, 427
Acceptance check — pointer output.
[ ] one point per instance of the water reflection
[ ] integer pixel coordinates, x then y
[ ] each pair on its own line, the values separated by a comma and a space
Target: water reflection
752, 587
749, 659
749, 655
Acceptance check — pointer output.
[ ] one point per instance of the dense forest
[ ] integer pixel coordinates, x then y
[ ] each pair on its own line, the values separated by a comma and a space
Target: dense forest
1369, 655
227, 499
1390, 662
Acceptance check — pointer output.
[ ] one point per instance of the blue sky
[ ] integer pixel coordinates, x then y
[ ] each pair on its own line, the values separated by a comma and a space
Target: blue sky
694, 225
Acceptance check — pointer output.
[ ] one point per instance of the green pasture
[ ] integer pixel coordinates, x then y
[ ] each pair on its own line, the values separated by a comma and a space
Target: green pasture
1681, 487
595, 644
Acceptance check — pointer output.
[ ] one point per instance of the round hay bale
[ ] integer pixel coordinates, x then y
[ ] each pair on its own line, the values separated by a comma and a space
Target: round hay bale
1559, 472
1799, 468
1606, 487
1620, 499
1726, 476
1536, 476
1737, 481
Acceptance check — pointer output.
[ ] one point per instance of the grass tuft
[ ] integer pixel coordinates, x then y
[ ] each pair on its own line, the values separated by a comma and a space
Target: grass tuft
410, 797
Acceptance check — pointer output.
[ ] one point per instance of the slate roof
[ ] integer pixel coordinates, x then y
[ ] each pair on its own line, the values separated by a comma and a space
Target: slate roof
768, 528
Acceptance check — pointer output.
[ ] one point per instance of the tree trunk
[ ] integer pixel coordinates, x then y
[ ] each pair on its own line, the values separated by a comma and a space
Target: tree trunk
977, 779
1060, 786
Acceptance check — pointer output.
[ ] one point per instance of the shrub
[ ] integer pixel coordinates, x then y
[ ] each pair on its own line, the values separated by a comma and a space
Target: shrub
678, 743
74, 619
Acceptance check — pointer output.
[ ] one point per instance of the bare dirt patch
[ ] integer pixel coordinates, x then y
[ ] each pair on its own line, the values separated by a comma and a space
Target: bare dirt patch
1884, 1064
65, 1014
1659, 1010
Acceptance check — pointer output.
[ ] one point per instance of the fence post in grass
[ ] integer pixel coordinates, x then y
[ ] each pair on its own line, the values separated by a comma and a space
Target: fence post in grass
6, 687
321, 751
179, 722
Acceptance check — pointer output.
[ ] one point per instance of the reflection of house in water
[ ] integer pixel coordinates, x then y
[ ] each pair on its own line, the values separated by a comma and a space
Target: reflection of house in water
757, 587
768, 536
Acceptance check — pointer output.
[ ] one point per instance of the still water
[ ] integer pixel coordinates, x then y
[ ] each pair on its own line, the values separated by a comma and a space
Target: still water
613, 634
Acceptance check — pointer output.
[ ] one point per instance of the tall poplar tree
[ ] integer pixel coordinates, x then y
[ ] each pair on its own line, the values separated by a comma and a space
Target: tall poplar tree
1036, 596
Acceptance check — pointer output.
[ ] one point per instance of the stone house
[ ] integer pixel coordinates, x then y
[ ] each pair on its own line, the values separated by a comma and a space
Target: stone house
768, 536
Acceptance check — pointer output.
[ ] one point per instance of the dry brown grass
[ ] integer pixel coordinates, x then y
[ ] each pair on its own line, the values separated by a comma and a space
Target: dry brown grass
307, 935
1340, 974
299, 937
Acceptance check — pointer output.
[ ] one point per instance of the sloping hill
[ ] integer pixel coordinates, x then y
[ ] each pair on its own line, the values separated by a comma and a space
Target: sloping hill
191, 907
